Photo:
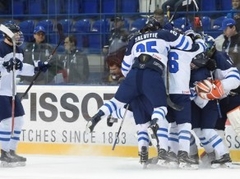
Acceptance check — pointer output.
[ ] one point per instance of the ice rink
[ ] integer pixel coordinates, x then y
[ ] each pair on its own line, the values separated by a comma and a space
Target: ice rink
74, 167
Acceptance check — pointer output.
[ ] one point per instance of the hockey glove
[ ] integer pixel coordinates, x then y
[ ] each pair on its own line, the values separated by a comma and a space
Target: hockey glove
209, 89
42, 66
9, 64
211, 64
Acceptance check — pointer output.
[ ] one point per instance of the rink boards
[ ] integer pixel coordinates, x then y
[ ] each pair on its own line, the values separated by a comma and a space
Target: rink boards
56, 117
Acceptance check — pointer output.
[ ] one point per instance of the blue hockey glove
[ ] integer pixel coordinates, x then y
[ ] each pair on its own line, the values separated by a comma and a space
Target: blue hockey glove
42, 66
9, 64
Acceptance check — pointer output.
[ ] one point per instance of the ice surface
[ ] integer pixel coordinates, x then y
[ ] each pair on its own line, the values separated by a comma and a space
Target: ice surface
75, 167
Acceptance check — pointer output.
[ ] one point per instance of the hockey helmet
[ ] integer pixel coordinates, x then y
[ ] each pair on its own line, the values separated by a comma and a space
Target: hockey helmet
152, 24
211, 45
200, 60
16, 30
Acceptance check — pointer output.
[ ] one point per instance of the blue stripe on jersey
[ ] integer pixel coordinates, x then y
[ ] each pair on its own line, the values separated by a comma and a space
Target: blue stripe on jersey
233, 76
181, 42
124, 69
186, 46
125, 64
204, 46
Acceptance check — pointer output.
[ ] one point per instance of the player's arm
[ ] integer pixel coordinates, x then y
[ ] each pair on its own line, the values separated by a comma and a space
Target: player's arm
176, 40
230, 74
127, 59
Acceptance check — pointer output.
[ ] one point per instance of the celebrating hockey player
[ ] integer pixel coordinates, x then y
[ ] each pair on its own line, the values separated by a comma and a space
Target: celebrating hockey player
143, 65
223, 78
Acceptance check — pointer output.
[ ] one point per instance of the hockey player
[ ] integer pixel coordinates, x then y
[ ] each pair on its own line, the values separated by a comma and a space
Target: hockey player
179, 92
223, 78
143, 65
10, 130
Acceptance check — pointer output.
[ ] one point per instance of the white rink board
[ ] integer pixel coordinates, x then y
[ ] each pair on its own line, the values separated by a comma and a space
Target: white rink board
60, 114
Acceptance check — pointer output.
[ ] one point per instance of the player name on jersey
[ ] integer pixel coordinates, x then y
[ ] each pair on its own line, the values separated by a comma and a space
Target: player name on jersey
145, 36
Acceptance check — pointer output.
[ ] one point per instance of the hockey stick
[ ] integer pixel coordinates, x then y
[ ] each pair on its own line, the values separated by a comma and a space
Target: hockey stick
61, 38
168, 12
149, 8
120, 128
184, 3
10, 34
217, 100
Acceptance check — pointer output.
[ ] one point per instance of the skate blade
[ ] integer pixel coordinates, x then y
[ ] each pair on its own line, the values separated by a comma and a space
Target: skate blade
21, 164
152, 161
163, 163
225, 165
188, 166
7, 165
144, 165
173, 165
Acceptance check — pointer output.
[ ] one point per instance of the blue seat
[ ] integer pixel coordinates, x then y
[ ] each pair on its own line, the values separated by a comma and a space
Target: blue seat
82, 28
181, 22
90, 6
82, 39
139, 23
217, 23
208, 5
55, 7
18, 7
226, 5
101, 25
98, 35
214, 33
129, 6
206, 23
109, 6
96, 41
53, 38
82, 25
27, 28
10, 22
72, 6
66, 24
36, 6
47, 24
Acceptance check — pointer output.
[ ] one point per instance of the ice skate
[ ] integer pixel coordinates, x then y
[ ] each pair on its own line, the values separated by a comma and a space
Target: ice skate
207, 158
224, 161
173, 162
153, 160
111, 120
144, 156
7, 160
195, 157
164, 158
21, 161
93, 121
185, 162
